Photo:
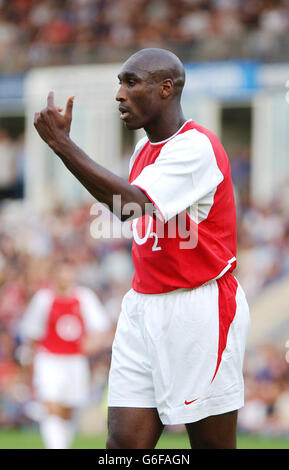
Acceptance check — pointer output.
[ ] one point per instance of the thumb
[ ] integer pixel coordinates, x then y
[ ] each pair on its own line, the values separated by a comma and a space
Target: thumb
68, 109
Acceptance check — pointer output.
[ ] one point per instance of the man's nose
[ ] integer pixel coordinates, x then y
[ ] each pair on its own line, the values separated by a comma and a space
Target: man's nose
120, 96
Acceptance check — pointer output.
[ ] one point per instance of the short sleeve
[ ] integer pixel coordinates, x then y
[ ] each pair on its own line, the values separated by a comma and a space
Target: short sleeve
184, 172
32, 326
93, 312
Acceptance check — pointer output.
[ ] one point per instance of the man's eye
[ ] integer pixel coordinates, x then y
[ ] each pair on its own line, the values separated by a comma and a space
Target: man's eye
131, 82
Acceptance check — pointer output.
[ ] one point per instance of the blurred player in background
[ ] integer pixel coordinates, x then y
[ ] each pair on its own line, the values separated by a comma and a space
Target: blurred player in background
180, 341
63, 324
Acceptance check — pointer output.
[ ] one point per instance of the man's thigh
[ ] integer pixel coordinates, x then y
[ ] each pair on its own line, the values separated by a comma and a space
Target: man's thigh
133, 428
214, 432
141, 428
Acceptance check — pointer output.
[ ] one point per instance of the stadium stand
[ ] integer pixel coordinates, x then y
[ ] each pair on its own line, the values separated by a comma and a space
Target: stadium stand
84, 31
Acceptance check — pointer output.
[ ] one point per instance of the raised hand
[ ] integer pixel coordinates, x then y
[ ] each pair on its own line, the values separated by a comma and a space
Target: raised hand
51, 124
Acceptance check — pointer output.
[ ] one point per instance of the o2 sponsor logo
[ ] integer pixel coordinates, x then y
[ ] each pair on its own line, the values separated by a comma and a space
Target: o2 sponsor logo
140, 238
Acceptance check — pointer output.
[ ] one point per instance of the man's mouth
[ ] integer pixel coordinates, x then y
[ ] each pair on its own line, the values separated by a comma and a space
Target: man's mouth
124, 113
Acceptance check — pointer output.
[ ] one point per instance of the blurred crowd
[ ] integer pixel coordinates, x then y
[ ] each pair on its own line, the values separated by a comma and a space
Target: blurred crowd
263, 230
83, 31
266, 410
264, 245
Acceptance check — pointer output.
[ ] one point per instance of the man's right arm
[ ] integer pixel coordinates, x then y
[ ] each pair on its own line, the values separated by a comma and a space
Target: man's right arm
54, 128
100, 182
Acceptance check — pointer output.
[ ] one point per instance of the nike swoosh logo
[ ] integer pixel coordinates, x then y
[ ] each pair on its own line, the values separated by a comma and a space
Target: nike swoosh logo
189, 402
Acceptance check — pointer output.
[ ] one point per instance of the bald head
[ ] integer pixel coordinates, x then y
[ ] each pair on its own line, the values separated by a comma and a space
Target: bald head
151, 83
159, 65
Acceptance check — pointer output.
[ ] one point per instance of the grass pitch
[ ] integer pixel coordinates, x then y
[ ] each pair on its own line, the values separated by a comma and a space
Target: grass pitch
24, 439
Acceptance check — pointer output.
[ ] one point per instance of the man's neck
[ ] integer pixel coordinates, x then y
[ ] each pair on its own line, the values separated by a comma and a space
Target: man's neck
165, 126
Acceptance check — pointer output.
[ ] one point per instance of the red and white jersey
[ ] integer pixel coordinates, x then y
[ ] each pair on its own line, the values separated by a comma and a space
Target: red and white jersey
59, 323
191, 237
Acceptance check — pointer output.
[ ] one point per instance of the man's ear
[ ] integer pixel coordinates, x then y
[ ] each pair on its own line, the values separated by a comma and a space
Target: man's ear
166, 88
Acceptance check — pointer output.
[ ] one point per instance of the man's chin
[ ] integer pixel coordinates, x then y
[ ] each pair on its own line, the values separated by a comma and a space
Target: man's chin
133, 126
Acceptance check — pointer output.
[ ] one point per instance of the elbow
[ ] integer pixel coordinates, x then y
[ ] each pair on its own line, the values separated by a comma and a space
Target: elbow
133, 204
136, 204
123, 217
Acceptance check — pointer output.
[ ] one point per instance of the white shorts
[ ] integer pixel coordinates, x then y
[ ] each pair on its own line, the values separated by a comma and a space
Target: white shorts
181, 352
63, 379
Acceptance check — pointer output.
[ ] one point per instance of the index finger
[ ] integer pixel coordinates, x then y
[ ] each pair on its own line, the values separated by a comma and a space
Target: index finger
50, 99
